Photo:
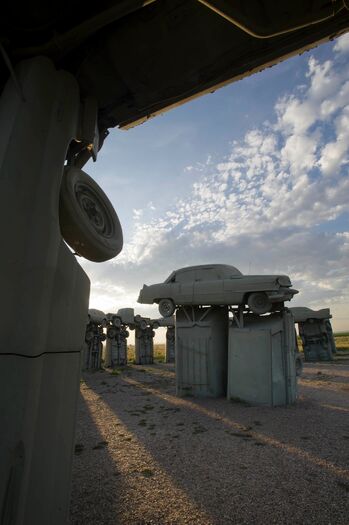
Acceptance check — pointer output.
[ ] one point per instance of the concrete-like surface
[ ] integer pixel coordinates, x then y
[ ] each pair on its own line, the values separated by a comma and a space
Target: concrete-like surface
144, 456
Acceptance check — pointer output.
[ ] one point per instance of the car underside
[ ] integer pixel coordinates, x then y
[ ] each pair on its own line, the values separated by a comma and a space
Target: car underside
139, 58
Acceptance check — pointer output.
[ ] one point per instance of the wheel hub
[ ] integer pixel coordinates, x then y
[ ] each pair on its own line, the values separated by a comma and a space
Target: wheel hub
95, 211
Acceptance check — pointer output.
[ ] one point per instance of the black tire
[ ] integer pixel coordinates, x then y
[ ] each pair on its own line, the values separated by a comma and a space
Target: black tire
143, 324
156, 325
89, 336
112, 332
259, 303
166, 307
117, 322
88, 221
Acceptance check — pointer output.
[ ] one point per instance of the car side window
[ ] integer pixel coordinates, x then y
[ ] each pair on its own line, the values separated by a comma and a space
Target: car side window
186, 277
206, 274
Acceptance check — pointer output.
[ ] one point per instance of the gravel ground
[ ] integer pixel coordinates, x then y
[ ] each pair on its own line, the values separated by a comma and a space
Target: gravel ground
144, 456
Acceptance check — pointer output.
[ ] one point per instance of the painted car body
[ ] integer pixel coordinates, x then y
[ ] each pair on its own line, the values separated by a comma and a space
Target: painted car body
216, 284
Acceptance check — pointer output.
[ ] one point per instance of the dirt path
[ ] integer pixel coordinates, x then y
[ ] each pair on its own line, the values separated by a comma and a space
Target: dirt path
146, 457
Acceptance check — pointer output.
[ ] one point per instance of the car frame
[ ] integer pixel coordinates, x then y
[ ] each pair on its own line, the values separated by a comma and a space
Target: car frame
217, 284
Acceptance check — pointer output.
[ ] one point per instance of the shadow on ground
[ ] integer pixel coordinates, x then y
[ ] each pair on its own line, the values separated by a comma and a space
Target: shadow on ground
211, 461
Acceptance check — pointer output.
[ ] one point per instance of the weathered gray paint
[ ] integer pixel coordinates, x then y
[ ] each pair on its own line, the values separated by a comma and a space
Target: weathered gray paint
262, 360
144, 346
116, 349
45, 292
302, 314
316, 333
93, 347
165, 321
201, 351
170, 354
216, 284
317, 340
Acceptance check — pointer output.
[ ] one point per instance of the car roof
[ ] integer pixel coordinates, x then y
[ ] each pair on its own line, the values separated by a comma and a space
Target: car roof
227, 267
207, 267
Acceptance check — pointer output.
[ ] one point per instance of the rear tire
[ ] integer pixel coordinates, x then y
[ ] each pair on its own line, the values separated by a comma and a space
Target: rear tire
166, 307
259, 303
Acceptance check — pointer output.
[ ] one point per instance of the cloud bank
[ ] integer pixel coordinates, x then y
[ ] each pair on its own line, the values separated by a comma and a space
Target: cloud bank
277, 202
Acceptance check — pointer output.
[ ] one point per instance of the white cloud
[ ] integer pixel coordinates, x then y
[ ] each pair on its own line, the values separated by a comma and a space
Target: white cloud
342, 44
261, 205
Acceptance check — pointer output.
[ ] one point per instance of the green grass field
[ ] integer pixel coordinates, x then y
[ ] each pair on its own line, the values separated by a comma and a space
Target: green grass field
342, 341
342, 344
159, 353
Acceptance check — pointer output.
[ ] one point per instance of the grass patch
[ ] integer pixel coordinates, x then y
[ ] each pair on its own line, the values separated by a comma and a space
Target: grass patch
147, 473
159, 353
341, 340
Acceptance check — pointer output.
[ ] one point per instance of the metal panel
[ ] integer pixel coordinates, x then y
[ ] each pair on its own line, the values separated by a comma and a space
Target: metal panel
201, 351
170, 345
37, 444
261, 360
250, 366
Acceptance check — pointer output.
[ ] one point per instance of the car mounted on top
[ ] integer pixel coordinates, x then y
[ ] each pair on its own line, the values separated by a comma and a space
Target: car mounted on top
218, 284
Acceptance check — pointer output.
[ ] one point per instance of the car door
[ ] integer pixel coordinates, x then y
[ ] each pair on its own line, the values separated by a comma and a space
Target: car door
234, 289
185, 283
208, 288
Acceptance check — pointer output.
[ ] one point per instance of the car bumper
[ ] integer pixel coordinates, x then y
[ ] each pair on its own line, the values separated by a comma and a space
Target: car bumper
282, 295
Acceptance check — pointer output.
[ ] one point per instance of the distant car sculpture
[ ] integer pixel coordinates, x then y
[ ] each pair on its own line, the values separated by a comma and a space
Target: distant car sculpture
218, 284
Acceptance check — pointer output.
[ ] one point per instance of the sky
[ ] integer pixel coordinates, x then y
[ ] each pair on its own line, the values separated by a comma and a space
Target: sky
254, 175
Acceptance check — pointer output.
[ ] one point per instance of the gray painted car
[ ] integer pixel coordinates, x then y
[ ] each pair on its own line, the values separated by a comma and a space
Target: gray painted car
217, 284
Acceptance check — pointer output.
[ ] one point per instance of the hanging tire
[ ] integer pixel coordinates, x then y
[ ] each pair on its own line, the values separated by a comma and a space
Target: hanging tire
259, 303
88, 221
166, 307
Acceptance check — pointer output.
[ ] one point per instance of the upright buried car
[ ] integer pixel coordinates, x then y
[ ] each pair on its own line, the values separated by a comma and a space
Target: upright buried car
217, 284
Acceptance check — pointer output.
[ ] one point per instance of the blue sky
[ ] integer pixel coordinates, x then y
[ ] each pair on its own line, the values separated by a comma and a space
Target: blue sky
254, 175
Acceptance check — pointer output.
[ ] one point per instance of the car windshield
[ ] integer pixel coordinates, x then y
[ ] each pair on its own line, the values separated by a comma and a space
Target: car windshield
171, 278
